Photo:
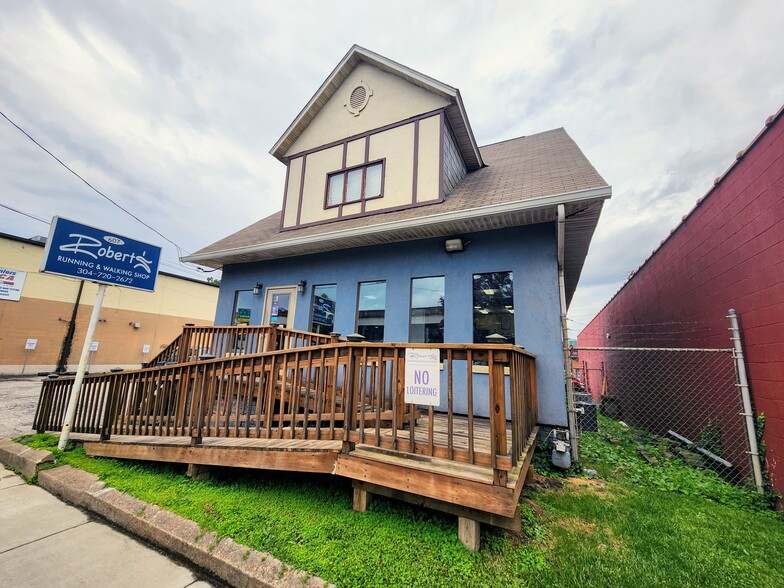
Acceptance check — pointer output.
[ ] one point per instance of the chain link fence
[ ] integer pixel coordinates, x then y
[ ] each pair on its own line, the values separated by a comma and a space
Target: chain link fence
688, 398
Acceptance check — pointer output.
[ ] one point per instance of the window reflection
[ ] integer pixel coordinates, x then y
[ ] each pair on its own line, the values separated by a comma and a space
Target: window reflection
371, 310
427, 310
493, 306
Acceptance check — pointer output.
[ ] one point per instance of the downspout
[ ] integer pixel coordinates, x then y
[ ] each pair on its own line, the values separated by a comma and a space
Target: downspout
570, 412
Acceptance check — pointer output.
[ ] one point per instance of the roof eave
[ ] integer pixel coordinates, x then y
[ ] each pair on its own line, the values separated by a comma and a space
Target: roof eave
263, 250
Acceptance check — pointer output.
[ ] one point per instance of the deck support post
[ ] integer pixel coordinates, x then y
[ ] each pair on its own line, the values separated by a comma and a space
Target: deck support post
529, 476
198, 472
361, 498
468, 531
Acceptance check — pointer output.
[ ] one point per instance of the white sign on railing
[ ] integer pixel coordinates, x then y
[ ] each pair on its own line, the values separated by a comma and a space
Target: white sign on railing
423, 376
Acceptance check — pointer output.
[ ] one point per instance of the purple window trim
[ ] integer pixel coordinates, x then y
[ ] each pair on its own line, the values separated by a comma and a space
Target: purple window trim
441, 157
301, 189
415, 171
362, 199
401, 123
367, 159
363, 214
285, 197
440, 112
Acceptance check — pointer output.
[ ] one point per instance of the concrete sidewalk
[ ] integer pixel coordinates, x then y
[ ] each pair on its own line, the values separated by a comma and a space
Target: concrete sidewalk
45, 542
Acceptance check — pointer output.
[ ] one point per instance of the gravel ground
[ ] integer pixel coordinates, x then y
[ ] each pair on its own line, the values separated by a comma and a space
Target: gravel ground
18, 399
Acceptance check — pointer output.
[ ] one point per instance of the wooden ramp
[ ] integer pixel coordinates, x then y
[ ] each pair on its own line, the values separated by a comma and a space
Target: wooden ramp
326, 408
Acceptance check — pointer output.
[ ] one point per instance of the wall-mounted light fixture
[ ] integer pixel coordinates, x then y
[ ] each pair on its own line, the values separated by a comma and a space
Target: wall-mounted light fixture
135, 325
454, 245
301, 286
257, 288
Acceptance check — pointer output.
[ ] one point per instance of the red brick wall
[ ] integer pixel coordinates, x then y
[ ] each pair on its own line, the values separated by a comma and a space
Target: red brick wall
729, 253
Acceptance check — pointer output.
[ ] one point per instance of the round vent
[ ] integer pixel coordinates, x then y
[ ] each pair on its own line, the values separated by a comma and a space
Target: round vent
358, 99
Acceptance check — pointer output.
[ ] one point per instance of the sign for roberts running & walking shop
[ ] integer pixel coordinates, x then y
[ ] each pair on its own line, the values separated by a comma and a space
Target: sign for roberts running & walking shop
86, 253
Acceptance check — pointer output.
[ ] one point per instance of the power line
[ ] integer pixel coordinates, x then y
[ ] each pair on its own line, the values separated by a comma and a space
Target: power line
27, 214
93, 188
179, 265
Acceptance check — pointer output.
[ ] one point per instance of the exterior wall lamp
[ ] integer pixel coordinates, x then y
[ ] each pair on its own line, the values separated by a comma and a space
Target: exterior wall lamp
455, 245
257, 288
301, 286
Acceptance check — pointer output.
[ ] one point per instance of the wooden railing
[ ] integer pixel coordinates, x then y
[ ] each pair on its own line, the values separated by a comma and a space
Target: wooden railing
217, 341
340, 391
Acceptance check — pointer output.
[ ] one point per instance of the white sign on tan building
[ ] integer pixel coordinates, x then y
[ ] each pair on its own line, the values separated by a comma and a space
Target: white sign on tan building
11, 284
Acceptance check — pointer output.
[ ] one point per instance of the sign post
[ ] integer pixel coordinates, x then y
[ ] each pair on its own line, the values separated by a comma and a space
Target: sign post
29, 346
79, 251
77, 385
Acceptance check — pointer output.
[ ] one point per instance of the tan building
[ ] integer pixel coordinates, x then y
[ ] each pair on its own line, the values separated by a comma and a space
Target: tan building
36, 310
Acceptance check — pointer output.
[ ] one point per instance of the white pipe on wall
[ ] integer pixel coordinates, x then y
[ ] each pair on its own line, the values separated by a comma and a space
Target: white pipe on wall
570, 411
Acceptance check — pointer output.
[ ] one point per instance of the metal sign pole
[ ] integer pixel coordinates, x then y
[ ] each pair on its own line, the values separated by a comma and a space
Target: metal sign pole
77, 385
24, 365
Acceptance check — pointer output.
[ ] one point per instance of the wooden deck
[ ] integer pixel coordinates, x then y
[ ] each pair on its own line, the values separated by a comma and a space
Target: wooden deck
334, 408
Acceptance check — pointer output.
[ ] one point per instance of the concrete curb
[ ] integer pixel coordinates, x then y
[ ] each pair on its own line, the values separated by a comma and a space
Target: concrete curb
23, 458
231, 562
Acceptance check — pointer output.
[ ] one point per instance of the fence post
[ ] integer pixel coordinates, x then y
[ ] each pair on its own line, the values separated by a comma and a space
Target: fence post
743, 384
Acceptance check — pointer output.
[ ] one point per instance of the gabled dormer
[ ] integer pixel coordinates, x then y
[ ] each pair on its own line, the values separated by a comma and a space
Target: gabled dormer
376, 137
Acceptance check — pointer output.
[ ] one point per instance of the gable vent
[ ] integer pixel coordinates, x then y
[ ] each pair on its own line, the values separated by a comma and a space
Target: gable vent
359, 98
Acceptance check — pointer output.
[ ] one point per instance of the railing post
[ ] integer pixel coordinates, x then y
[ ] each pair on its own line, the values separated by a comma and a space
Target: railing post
185, 345
199, 398
497, 416
350, 383
110, 411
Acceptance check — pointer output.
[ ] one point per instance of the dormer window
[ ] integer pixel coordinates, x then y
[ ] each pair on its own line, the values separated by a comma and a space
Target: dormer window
355, 184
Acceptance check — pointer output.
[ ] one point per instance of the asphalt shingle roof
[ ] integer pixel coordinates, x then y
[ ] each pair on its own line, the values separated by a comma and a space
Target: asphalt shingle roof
544, 164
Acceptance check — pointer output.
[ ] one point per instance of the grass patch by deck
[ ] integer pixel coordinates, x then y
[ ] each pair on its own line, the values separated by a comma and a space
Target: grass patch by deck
628, 532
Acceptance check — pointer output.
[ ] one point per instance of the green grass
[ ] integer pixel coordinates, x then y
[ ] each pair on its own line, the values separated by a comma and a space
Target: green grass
634, 532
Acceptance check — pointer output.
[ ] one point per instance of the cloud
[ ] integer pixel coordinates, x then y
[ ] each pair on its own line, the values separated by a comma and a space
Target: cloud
170, 108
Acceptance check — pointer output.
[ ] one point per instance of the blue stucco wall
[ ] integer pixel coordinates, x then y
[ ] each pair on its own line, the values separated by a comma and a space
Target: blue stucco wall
529, 252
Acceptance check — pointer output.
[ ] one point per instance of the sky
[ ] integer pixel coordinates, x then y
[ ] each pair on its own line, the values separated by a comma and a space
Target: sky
170, 108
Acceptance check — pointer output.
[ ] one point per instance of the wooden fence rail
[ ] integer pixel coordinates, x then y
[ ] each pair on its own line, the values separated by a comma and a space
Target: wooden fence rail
216, 341
352, 392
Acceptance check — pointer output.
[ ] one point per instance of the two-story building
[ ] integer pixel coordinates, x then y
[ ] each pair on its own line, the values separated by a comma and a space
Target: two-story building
396, 225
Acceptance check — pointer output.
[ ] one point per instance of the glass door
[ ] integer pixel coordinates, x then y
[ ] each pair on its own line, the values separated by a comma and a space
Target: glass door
279, 306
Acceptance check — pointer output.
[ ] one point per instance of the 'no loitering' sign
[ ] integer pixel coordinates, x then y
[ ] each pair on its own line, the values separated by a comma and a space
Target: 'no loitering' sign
423, 376
87, 253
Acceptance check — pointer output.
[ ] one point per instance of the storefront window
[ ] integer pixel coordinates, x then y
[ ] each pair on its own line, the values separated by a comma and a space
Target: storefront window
427, 310
242, 304
371, 310
493, 306
323, 309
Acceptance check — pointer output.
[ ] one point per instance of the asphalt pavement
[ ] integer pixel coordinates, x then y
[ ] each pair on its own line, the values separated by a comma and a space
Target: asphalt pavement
18, 399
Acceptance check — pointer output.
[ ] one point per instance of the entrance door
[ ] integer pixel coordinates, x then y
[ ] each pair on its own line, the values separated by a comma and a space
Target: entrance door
279, 306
